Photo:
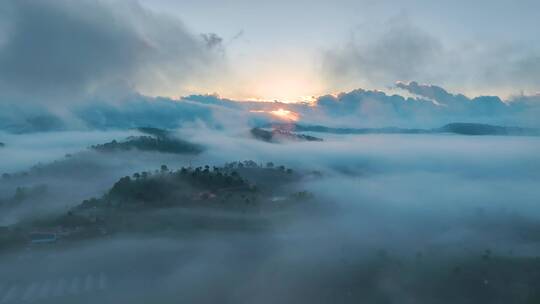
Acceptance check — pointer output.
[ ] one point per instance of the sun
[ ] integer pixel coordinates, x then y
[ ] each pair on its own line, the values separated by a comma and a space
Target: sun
280, 113
285, 114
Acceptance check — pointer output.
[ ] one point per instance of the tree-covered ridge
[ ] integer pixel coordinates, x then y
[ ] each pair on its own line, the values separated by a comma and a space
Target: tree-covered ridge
225, 188
164, 199
485, 129
170, 188
454, 128
158, 143
188, 185
160, 133
278, 135
81, 163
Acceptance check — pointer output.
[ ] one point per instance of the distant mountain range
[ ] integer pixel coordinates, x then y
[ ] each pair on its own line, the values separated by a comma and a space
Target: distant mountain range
483, 129
456, 128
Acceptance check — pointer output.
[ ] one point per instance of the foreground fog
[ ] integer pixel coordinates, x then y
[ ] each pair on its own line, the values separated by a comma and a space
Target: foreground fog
393, 219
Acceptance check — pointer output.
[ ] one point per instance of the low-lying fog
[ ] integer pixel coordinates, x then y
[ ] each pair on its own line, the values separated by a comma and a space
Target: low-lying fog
396, 216
22, 151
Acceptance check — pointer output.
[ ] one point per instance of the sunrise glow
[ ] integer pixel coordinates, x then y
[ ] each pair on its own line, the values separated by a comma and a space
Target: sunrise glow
281, 114
285, 114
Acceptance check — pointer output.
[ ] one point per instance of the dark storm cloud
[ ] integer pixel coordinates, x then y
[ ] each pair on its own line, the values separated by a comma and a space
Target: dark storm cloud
69, 48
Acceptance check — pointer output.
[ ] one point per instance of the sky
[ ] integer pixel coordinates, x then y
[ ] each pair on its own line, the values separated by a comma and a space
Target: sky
64, 63
288, 49
266, 50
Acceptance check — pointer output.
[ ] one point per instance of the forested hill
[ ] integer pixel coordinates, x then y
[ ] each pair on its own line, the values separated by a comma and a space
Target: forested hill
187, 199
280, 135
244, 182
157, 140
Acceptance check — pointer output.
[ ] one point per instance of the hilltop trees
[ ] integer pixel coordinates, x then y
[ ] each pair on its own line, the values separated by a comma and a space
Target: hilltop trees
166, 187
150, 143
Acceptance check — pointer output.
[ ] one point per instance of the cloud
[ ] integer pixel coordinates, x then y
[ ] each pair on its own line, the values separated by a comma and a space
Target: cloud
430, 91
24, 118
132, 111
412, 105
398, 50
477, 106
65, 49
140, 111
429, 106
212, 40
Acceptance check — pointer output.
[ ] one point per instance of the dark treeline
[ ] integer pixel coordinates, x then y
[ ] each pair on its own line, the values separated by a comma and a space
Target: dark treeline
149, 143
158, 140
129, 205
165, 187
278, 135
455, 128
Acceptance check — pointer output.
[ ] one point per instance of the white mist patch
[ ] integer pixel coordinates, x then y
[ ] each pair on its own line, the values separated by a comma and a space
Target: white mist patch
488, 156
22, 151
408, 192
386, 209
